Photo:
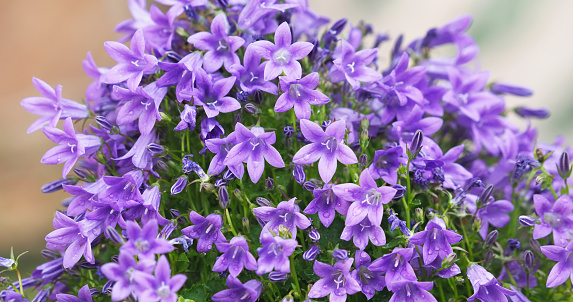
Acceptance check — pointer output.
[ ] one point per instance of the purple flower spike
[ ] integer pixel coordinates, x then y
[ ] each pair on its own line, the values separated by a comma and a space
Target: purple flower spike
362, 232
369, 279
326, 203
436, 239
69, 235
415, 291
336, 281
300, 94
368, 199
396, 268
220, 47
326, 145
144, 242
353, 67
161, 287
248, 292
84, 295
122, 274
212, 95
283, 56
236, 256
563, 270
206, 229
71, 146
132, 63
142, 103
486, 287
254, 148
51, 106
274, 254
287, 213
554, 218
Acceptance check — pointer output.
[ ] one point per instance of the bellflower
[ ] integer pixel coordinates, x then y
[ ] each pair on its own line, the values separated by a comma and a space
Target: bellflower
161, 286
143, 242
140, 156
486, 287
70, 235
367, 199
326, 203
370, 280
396, 268
254, 148
251, 75
248, 292
352, 66
235, 256
336, 281
436, 240
182, 74
414, 291
221, 147
274, 253
206, 229
51, 106
84, 295
386, 163
122, 192
71, 147
141, 19
494, 213
283, 56
363, 231
220, 47
211, 94
143, 104
327, 146
300, 94
188, 119
132, 63
563, 270
122, 273
554, 218
287, 214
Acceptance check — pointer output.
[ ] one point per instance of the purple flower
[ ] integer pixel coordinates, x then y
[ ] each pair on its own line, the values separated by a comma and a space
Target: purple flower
283, 56
206, 229
141, 19
71, 147
251, 74
84, 295
436, 240
235, 256
6, 262
71, 236
139, 154
132, 63
122, 274
414, 291
188, 119
161, 287
486, 287
142, 103
300, 93
326, 203
123, 192
518, 274
287, 214
326, 145
386, 163
336, 281
352, 66
254, 148
143, 242
51, 106
212, 94
363, 231
221, 147
554, 218
274, 253
396, 268
220, 47
369, 279
367, 199
252, 17
563, 270
248, 292
181, 74
494, 213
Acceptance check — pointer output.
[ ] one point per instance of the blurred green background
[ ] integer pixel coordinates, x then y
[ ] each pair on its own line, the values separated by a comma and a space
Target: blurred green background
522, 42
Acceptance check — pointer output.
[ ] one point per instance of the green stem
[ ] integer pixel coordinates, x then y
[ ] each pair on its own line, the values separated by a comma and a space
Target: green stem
466, 239
442, 297
20, 282
230, 222
293, 274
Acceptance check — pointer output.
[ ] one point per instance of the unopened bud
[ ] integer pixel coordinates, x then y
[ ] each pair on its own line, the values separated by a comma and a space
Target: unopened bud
314, 235
168, 229
276, 277
535, 246
527, 221
49, 254
310, 186
528, 261
252, 109
246, 224
486, 194
223, 197
107, 287
81, 173
311, 253
491, 238
488, 257
179, 185
564, 166
400, 190
340, 254
220, 183
419, 213
258, 97
238, 118
298, 173
416, 143
228, 175
105, 124
269, 184
56, 185
155, 149
325, 124
288, 298
363, 160
288, 131
113, 235
449, 260
501, 88
263, 202
242, 96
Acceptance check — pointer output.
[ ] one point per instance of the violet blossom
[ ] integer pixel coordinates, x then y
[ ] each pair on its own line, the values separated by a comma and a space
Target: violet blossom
248, 292
436, 240
274, 253
370, 279
554, 218
486, 287
300, 94
326, 203
71, 236
363, 231
142, 104
251, 74
122, 273
413, 291
396, 268
206, 229
352, 66
287, 214
235, 256
211, 94
143, 242
386, 163
160, 287
335, 281
563, 270
84, 295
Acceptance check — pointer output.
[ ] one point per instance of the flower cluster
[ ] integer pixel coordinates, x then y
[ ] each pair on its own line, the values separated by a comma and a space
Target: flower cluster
401, 180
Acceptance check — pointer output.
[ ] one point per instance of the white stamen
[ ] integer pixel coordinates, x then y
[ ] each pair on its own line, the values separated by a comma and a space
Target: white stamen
72, 147
221, 46
351, 66
135, 63
253, 77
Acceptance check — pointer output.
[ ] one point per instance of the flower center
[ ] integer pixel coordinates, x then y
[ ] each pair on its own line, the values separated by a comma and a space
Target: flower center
339, 279
281, 56
351, 67
366, 275
295, 91
255, 142
223, 46
276, 249
373, 197
555, 220
142, 245
330, 143
163, 291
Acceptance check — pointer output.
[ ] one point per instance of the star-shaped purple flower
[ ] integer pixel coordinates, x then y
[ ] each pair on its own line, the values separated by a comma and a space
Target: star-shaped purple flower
554, 218
363, 231
221, 147
71, 146
563, 270
122, 274
84, 295
274, 253
161, 287
70, 235
51, 106
254, 148
414, 291
206, 229
143, 242
300, 94
212, 95
188, 118
367, 199
287, 213
182, 74
386, 163
142, 103
396, 268
336, 281
327, 145
369, 279
353, 67
486, 287
326, 203
283, 56
235, 256
220, 47
251, 75
436, 240
132, 63
248, 292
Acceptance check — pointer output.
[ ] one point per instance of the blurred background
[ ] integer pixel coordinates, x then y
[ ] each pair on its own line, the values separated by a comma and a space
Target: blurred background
522, 42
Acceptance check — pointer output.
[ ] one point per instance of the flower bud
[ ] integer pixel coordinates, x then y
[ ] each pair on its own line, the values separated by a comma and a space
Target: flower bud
83, 264
314, 235
175, 214
220, 183
400, 190
238, 118
311, 253
535, 113
168, 229
258, 97
95, 292
528, 261
223, 197
491, 238
276, 277
449, 260
107, 287
500, 88
49, 254
512, 245
309, 186
245, 223
223, 3
564, 166
298, 173
56, 185
242, 96
325, 124
288, 131
81, 173
155, 149
535, 246
363, 160
113, 235
476, 226
287, 298
263, 202
419, 214
179, 185
486, 194
488, 257
527, 221
269, 184
340, 254
252, 109
416, 143
228, 175
185, 241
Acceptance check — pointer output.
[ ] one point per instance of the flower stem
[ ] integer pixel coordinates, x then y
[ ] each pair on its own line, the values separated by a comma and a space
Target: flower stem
293, 274
230, 222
